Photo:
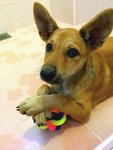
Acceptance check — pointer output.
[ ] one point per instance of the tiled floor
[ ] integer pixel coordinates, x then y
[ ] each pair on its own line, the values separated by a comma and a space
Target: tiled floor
20, 59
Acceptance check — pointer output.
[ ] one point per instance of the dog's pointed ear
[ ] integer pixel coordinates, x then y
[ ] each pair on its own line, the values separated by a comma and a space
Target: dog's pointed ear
45, 24
98, 29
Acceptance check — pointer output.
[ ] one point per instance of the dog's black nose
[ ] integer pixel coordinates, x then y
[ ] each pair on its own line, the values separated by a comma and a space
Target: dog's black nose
48, 73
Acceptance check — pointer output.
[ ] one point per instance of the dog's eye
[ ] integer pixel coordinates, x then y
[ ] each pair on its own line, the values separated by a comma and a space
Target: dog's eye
49, 47
72, 53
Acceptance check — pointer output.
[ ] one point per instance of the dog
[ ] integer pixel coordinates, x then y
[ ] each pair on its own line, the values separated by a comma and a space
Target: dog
78, 67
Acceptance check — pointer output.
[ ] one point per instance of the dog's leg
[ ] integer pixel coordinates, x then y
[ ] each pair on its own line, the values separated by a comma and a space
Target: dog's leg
42, 117
78, 108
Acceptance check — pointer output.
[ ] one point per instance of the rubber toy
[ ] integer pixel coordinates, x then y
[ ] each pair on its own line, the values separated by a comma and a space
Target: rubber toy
56, 122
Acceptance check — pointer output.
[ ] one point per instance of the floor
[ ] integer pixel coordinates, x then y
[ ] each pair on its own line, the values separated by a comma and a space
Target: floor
20, 60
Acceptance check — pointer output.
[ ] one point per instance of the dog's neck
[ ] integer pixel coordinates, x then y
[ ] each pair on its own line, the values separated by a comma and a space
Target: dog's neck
86, 72
75, 78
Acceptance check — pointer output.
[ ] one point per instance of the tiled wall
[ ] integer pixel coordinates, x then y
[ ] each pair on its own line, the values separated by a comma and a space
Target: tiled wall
62, 10
77, 11
17, 13
86, 9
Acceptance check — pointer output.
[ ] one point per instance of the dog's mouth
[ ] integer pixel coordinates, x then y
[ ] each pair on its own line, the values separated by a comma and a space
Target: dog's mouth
55, 80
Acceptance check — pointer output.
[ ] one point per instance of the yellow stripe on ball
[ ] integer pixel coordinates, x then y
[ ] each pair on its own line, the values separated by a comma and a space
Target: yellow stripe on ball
43, 127
59, 122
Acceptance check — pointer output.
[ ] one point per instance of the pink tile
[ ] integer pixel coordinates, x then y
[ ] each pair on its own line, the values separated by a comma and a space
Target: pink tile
101, 120
73, 136
10, 142
9, 118
78, 137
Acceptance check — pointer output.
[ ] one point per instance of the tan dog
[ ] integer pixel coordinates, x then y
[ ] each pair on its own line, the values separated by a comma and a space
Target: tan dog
78, 65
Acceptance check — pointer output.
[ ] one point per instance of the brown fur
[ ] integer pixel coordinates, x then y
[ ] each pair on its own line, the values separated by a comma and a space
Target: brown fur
87, 79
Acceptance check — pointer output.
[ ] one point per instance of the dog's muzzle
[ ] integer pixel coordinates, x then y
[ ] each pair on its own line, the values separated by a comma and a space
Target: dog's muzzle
49, 74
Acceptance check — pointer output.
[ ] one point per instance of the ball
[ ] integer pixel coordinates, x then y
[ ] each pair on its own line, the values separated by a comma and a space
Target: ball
56, 122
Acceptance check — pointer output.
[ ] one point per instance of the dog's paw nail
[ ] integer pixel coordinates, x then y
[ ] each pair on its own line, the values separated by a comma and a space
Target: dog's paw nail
24, 113
42, 124
47, 118
33, 118
17, 108
54, 115
38, 125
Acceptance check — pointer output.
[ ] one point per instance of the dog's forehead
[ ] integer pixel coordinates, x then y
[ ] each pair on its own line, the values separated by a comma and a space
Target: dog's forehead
66, 34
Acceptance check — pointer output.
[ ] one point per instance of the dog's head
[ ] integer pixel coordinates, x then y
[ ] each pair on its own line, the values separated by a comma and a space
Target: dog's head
67, 50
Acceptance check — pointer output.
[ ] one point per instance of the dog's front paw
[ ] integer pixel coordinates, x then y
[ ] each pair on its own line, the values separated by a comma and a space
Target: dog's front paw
42, 118
31, 106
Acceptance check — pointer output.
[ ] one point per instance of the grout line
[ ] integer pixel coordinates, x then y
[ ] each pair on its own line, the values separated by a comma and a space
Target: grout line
74, 13
93, 132
105, 143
